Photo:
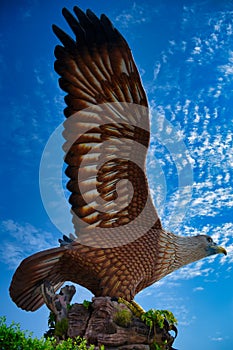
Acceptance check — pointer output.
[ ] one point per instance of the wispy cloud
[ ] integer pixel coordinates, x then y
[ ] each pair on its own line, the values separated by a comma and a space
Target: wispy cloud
163, 294
26, 10
137, 14
198, 289
191, 271
195, 99
226, 71
217, 339
21, 240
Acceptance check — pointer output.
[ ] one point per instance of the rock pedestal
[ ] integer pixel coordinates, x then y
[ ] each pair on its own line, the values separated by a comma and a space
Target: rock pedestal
104, 321
112, 324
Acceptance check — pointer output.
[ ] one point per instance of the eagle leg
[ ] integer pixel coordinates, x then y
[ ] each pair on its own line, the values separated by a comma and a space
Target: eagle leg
136, 309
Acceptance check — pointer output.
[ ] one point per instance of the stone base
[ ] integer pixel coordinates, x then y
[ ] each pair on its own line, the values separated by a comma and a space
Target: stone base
112, 324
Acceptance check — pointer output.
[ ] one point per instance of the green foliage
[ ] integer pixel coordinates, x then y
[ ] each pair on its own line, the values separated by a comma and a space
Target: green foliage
61, 328
123, 317
156, 318
155, 346
69, 306
13, 338
51, 320
51, 324
87, 304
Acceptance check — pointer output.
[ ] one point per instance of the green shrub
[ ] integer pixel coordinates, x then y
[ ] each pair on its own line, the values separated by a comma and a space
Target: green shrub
157, 317
13, 338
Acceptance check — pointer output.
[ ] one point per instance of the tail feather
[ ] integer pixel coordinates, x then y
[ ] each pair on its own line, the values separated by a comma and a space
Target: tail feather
25, 288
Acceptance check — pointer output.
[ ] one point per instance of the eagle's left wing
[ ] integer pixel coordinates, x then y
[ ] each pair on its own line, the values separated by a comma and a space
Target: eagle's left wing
106, 131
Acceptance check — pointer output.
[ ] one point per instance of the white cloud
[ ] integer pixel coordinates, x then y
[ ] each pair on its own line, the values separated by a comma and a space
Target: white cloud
217, 339
227, 69
138, 14
157, 70
191, 271
21, 240
165, 294
210, 202
198, 289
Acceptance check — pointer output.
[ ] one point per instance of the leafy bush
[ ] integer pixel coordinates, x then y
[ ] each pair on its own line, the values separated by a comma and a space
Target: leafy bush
157, 317
13, 338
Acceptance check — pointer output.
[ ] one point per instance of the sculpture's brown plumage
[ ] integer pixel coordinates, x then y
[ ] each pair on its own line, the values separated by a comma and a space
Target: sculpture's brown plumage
121, 246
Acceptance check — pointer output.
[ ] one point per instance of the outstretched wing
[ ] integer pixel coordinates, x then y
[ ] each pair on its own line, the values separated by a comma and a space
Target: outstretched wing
107, 128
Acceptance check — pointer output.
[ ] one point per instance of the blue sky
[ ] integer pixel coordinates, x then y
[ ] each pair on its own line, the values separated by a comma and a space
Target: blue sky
183, 50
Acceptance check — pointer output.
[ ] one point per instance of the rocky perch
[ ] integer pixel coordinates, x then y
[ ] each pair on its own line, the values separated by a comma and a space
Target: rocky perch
111, 323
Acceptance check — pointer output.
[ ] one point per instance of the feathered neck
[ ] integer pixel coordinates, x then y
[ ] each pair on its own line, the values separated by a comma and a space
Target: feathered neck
175, 252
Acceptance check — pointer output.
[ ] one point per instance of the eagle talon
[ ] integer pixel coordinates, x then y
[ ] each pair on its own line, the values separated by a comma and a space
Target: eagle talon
136, 309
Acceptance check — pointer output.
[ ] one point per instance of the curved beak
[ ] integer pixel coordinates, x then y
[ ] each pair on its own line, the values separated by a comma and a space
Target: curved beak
219, 250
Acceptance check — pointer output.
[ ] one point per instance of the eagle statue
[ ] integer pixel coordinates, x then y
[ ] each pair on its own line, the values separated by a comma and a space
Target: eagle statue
119, 246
